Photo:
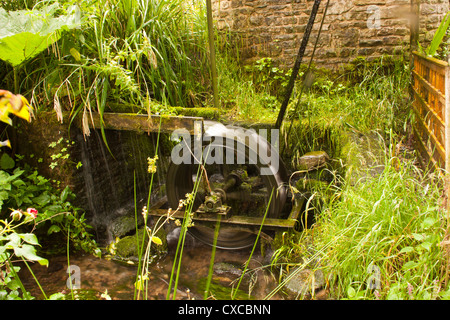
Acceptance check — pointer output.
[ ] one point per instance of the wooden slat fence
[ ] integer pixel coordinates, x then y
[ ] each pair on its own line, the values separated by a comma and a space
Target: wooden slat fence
430, 84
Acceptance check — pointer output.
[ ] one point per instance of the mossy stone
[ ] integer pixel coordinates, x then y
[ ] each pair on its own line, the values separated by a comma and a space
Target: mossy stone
128, 247
312, 160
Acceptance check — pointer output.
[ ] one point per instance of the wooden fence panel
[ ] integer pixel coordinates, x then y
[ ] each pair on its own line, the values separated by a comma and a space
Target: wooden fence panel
429, 83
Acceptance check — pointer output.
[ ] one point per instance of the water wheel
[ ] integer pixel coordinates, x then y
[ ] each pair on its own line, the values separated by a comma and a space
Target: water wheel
241, 185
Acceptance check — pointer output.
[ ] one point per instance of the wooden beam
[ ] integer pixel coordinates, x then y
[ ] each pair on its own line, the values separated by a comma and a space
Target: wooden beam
143, 123
242, 221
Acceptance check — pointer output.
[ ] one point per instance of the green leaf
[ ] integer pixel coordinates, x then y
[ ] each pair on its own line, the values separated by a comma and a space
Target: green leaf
13, 284
74, 52
25, 34
29, 238
428, 222
4, 195
42, 199
426, 245
351, 292
6, 162
65, 193
14, 241
410, 265
53, 229
438, 36
418, 236
407, 250
57, 296
29, 252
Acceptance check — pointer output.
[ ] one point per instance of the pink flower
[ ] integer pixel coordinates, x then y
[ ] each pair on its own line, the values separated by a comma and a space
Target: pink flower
32, 212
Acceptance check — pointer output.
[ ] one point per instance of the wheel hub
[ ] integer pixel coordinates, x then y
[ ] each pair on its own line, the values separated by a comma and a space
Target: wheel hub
228, 189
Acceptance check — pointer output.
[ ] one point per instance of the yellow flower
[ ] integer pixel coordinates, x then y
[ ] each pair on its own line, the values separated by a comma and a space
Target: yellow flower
15, 104
152, 164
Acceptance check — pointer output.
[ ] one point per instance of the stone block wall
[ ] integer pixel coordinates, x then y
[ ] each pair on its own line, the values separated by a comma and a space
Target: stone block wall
352, 28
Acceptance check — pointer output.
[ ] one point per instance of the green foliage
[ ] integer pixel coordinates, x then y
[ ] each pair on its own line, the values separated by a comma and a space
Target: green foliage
392, 223
26, 188
364, 95
265, 75
48, 212
61, 152
239, 95
11, 5
438, 37
27, 33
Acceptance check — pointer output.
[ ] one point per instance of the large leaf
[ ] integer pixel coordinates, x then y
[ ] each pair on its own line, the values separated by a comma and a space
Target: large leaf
28, 252
24, 34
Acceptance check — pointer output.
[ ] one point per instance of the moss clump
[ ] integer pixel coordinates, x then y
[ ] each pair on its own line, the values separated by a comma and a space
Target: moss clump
128, 247
206, 112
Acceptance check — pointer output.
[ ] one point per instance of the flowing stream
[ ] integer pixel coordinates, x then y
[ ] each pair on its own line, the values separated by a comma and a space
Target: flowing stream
97, 276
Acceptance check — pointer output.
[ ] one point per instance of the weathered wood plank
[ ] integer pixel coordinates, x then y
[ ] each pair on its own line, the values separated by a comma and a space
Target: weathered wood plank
432, 62
435, 141
428, 109
145, 123
233, 220
435, 91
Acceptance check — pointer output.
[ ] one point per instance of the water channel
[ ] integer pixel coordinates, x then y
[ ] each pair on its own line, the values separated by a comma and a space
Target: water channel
117, 279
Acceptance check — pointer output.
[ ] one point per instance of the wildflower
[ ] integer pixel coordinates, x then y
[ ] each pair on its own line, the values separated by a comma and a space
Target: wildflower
16, 215
15, 104
377, 295
185, 202
410, 290
5, 143
32, 212
152, 164
145, 213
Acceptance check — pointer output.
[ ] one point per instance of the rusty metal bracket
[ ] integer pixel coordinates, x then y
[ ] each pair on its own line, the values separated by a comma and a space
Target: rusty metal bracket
238, 221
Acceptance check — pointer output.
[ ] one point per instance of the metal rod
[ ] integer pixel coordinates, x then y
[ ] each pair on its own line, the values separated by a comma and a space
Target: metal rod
298, 61
308, 69
212, 52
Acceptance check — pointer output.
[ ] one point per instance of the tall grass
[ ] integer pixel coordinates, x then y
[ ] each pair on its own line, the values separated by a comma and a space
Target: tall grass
126, 53
364, 95
398, 223
384, 238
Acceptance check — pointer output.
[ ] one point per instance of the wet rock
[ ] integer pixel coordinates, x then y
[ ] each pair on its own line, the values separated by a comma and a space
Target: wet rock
123, 225
312, 160
221, 268
305, 281
173, 235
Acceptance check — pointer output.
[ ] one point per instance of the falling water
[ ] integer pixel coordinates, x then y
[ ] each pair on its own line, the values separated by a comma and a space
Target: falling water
113, 173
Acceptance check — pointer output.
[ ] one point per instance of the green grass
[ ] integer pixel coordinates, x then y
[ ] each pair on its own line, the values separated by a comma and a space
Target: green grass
396, 222
382, 237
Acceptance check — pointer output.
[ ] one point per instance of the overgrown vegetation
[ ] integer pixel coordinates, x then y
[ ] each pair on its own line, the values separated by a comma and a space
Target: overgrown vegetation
383, 237
380, 236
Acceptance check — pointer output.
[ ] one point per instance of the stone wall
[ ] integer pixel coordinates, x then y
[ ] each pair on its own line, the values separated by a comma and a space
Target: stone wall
352, 28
